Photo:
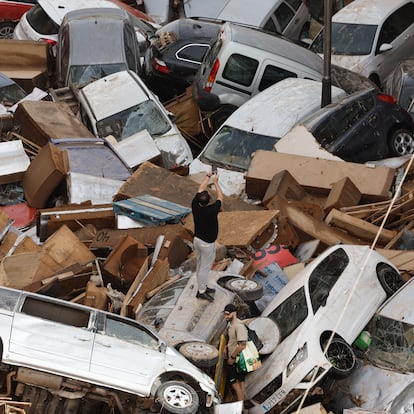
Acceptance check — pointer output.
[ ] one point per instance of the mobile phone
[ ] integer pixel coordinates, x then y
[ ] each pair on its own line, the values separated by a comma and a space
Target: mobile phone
213, 169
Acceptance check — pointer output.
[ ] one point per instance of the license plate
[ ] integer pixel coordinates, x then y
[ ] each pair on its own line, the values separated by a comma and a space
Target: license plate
274, 399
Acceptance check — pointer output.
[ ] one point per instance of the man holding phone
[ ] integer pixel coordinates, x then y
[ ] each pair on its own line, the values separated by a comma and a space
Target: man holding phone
206, 232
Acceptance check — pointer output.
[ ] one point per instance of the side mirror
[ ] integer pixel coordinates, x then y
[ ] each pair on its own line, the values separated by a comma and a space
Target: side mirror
385, 47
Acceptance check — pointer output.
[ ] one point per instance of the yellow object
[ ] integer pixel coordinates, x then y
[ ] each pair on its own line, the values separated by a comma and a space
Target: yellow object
220, 373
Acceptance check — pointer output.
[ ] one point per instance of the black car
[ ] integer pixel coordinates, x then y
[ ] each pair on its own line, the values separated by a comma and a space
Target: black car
400, 84
176, 54
365, 126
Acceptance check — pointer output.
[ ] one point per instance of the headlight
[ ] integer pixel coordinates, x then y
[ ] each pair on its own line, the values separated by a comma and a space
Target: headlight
300, 356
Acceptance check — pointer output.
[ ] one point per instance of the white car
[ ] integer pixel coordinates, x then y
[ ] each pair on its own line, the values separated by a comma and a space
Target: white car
121, 105
307, 312
58, 348
191, 325
258, 124
42, 22
288, 17
371, 37
384, 380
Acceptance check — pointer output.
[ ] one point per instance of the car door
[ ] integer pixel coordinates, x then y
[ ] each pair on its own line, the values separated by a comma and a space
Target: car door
8, 302
291, 16
52, 335
397, 30
126, 354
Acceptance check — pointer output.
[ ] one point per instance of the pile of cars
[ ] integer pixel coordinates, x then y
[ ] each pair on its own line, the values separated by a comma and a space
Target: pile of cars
247, 72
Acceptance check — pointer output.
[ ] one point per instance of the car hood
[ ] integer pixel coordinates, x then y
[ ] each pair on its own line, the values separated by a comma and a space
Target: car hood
375, 389
177, 148
354, 63
232, 183
300, 141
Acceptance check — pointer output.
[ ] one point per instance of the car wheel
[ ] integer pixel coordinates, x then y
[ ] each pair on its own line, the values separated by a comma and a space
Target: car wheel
375, 79
177, 397
342, 358
245, 288
401, 142
6, 30
389, 278
201, 354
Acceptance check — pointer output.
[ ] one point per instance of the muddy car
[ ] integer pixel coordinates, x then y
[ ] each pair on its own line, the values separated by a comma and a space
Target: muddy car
76, 352
316, 335
192, 325
384, 380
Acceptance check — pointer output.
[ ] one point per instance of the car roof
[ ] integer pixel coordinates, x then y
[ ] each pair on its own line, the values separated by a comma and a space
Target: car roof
275, 110
191, 28
367, 11
273, 44
241, 11
125, 88
56, 9
109, 24
325, 112
399, 305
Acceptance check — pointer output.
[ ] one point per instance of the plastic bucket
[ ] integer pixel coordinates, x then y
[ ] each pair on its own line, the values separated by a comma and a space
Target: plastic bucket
363, 341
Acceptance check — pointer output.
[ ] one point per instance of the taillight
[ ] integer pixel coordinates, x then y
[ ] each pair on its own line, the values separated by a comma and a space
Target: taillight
50, 42
386, 98
160, 66
212, 76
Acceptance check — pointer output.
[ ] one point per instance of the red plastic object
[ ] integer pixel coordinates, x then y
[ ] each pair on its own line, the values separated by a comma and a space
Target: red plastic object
275, 253
21, 213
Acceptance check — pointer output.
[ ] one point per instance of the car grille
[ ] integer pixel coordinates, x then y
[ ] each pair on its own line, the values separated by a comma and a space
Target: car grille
267, 391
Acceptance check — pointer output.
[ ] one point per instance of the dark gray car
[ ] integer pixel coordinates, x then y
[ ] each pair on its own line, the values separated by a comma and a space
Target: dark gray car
93, 43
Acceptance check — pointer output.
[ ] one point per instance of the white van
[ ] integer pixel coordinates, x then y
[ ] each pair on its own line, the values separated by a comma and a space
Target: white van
245, 61
288, 17
371, 37
258, 124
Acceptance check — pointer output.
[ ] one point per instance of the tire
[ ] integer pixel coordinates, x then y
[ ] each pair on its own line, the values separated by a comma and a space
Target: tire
342, 358
6, 30
201, 354
375, 79
389, 279
401, 142
247, 289
177, 397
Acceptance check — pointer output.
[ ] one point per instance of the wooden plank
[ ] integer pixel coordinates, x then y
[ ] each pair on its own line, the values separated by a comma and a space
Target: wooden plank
397, 236
318, 175
241, 228
156, 276
343, 193
358, 227
318, 229
402, 259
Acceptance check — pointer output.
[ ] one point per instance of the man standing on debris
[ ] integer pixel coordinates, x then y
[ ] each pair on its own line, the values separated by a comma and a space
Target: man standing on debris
237, 336
205, 233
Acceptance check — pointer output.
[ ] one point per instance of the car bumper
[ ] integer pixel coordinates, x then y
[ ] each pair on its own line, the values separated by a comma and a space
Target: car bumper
206, 101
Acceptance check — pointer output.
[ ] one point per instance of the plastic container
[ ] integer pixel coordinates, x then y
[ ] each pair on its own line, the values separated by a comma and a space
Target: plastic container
363, 341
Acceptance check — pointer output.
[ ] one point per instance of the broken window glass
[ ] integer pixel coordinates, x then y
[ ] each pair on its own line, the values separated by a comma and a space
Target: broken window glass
392, 344
291, 313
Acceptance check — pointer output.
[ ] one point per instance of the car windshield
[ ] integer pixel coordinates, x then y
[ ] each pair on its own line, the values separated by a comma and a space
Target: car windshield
233, 148
156, 310
86, 73
348, 39
291, 313
392, 344
11, 94
146, 115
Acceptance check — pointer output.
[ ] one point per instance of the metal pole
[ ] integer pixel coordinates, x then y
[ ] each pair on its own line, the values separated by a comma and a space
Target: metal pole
327, 31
